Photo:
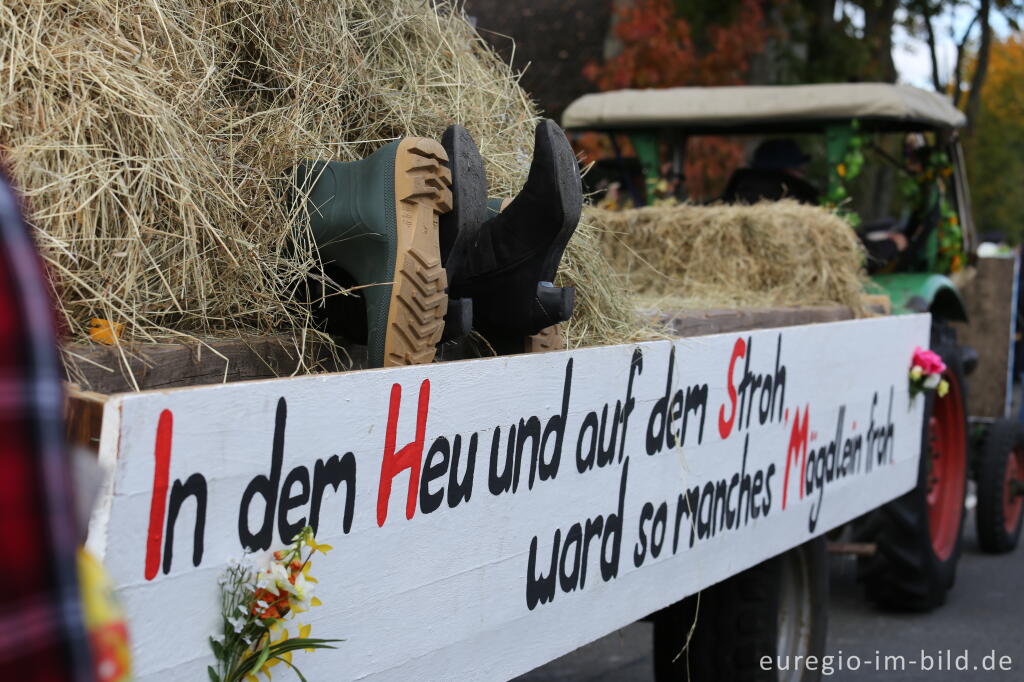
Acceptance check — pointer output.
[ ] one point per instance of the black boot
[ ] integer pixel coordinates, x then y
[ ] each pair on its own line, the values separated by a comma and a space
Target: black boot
469, 211
507, 264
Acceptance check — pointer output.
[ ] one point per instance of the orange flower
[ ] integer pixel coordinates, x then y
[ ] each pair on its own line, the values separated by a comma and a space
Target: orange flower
276, 605
105, 331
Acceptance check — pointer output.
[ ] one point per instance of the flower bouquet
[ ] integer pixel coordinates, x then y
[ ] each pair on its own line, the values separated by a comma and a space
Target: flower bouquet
926, 370
256, 602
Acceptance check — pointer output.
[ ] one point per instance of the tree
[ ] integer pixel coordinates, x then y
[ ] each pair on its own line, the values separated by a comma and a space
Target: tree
973, 44
659, 51
995, 153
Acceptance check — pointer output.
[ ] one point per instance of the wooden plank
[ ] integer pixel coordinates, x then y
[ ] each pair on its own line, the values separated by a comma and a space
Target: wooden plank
991, 305
689, 323
83, 417
109, 369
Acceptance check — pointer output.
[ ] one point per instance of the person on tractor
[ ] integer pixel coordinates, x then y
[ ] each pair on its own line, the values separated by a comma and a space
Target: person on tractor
776, 172
891, 242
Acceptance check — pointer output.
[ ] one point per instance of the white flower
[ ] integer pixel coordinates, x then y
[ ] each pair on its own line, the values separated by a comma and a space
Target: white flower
916, 372
238, 623
303, 591
273, 579
218, 638
932, 381
280, 575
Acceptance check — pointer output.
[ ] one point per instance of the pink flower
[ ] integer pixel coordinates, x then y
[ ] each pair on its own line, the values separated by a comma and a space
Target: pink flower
928, 361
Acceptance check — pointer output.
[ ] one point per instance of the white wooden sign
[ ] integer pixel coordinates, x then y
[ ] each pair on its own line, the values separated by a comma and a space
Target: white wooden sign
490, 515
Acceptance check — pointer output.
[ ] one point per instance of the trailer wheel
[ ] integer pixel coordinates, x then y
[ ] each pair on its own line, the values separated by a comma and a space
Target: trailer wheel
918, 534
1000, 476
777, 609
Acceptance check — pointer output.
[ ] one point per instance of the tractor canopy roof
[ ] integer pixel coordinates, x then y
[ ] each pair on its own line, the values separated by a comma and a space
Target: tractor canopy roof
881, 107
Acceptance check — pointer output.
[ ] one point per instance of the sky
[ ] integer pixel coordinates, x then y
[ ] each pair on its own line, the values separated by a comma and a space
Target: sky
911, 54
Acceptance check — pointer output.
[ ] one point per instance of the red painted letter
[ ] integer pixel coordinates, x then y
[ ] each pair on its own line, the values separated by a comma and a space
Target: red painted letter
739, 350
158, 505
797, 448
409, 457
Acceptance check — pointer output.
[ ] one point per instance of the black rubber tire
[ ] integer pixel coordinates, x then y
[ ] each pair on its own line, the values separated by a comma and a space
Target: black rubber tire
735, 624
905, 574
1004, 436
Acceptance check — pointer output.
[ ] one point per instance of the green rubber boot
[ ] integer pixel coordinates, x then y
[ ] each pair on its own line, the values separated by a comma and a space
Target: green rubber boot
376, 219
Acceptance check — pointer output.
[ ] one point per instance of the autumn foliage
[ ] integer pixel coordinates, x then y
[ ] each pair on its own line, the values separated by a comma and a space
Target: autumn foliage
995, 152
660, 51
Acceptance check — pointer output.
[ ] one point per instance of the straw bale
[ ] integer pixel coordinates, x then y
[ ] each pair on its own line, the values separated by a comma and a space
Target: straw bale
152, 138
725, 256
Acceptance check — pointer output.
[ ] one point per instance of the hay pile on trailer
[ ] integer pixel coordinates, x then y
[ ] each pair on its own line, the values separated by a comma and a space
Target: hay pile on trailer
726, 256
151, 139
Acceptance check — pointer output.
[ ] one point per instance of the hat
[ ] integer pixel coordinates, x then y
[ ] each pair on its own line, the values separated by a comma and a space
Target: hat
779, 154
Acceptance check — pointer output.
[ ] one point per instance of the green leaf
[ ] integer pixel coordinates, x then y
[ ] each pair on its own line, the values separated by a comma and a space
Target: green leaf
302, 678
218, 649
264, 654
214, 677
300, 643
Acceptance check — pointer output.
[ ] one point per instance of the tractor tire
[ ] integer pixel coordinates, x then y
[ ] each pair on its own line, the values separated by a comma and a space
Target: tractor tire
777, 609
918, 535
999, 471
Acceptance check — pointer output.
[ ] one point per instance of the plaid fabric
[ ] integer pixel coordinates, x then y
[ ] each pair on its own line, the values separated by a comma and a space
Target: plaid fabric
42, 637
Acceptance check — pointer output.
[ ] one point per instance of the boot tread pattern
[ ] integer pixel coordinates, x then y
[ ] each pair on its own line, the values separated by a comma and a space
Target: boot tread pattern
547, 339
419, 301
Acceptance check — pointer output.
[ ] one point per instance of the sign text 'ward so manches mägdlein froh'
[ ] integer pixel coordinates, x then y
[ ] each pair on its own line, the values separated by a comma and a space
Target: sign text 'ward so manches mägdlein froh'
490, 515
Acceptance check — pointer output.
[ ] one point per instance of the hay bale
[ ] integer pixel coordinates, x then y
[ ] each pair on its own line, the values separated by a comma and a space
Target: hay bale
151, 139
607, 309
724, 256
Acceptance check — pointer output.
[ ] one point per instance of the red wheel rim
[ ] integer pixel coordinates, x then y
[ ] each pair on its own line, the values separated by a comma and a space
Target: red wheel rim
1012, 489
947, 470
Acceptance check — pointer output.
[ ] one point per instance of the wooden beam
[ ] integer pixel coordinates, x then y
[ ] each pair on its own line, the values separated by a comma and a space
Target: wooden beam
109, 369
83, 417
721, 321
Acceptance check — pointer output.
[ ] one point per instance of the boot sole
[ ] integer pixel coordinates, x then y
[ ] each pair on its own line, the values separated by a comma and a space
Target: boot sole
547, 339
418, 299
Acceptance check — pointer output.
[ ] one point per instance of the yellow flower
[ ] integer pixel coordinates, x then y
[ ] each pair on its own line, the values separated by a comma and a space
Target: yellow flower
943, 388
304, 631
916, 372
841, 169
